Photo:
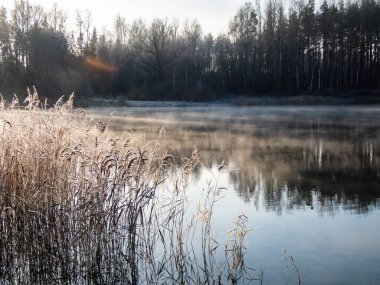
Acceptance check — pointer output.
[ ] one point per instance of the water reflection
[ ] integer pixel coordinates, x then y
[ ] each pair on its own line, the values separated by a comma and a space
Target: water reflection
287, 168
317, 172
279, 160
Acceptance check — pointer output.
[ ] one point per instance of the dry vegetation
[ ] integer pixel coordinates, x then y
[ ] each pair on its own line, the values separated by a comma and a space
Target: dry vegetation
81, 207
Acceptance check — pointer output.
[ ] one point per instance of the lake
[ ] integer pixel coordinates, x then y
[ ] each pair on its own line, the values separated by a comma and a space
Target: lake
307, 178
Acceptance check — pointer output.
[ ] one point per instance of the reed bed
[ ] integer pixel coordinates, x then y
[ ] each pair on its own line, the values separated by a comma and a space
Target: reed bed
78, 206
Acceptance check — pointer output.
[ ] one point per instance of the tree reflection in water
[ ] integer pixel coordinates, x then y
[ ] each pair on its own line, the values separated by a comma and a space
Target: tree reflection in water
324, 160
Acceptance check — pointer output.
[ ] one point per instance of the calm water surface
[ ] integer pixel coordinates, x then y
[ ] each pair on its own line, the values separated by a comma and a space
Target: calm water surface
308, 179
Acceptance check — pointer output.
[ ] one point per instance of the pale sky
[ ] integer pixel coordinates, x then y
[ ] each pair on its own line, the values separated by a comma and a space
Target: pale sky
213, 15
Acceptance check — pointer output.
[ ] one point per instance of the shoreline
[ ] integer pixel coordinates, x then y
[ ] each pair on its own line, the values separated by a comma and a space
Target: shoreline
240, 101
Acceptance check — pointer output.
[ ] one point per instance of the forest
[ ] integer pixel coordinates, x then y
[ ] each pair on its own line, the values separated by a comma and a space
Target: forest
273, 46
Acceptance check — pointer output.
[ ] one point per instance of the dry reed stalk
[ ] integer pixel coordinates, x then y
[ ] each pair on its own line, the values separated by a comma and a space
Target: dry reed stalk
79, 206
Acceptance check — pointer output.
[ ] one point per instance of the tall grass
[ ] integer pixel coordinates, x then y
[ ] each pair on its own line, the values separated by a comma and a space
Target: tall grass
79, 206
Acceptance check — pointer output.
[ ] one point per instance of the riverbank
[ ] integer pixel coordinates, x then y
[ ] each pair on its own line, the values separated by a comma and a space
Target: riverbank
278, 99
307, 100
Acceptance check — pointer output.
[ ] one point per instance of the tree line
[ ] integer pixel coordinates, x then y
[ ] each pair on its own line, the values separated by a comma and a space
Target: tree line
270, 46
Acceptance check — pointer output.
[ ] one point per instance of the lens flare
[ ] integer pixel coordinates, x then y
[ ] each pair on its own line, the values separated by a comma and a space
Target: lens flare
98, 64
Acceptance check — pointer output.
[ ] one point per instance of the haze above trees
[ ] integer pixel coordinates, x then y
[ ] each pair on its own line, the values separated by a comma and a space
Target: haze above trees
267, 48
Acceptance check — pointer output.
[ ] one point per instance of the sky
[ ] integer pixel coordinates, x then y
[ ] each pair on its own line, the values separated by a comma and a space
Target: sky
213, 15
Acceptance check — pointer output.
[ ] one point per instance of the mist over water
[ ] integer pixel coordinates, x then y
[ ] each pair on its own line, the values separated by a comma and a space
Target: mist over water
308, 178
